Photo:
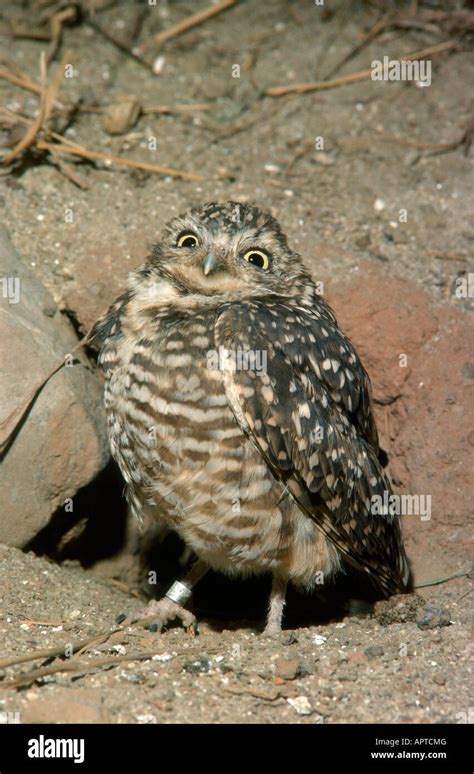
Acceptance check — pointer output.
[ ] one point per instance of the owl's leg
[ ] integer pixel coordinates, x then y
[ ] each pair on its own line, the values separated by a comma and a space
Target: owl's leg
171, 606
275, 608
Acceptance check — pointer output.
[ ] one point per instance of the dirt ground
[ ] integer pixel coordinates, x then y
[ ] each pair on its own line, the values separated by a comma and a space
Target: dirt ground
392, 280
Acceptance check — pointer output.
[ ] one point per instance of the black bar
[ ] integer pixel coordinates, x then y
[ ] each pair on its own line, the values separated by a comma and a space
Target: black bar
412, 748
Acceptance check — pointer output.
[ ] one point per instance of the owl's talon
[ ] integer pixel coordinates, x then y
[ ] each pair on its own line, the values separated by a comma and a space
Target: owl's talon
192, 630
164, 611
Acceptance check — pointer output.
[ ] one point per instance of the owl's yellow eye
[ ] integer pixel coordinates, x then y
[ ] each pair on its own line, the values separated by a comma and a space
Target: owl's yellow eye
257, 258
188, 240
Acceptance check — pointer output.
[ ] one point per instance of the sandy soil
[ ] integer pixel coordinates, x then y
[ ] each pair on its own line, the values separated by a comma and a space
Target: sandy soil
353, 670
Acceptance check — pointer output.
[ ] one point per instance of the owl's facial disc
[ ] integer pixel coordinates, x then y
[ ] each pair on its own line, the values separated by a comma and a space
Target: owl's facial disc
211, 262
221, 249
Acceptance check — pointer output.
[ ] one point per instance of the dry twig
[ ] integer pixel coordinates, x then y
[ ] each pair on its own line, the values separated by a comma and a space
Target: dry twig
73, 149
30, 135
16, 76
431, 149
59, 650
184, 25
78, 667
361, 75
437, 581
422, 146
117, 43
375, 30
57, 21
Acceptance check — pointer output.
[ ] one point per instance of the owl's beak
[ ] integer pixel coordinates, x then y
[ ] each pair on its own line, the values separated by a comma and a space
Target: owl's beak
209, 263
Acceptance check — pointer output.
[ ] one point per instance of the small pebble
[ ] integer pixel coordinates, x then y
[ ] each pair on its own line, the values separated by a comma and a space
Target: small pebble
411, 157
158, 65
363, 241
136, 678
120, 618
288, 669
301, 705
323, 158
194, 667
374, 651
121, 115
148, 719
431, 617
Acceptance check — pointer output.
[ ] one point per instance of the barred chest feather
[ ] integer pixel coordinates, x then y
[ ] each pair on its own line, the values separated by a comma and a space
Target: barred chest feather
185, 458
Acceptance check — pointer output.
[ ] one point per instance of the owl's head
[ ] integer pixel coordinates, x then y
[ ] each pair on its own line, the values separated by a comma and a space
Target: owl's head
225, 249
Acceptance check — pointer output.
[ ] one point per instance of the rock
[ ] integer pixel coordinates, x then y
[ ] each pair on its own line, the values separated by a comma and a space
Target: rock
432, 617
137, 678
374, 651
288, 669
99, 278
121, 115
363, 241
323, 158
195, 667
301, 704
411, 157
318, 639
158, 65
61, 443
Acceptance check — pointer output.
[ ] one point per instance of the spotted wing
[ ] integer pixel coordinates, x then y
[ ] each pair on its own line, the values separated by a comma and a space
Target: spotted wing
306, 406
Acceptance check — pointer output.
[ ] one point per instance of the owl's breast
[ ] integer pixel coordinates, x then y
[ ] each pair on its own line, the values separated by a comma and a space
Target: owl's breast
170, 423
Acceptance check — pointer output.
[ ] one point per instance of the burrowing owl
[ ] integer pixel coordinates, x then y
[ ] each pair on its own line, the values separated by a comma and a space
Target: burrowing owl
240, 415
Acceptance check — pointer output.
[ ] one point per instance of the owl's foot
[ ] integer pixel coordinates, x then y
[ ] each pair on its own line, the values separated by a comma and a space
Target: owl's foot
164, 611
275, 609
271, 630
